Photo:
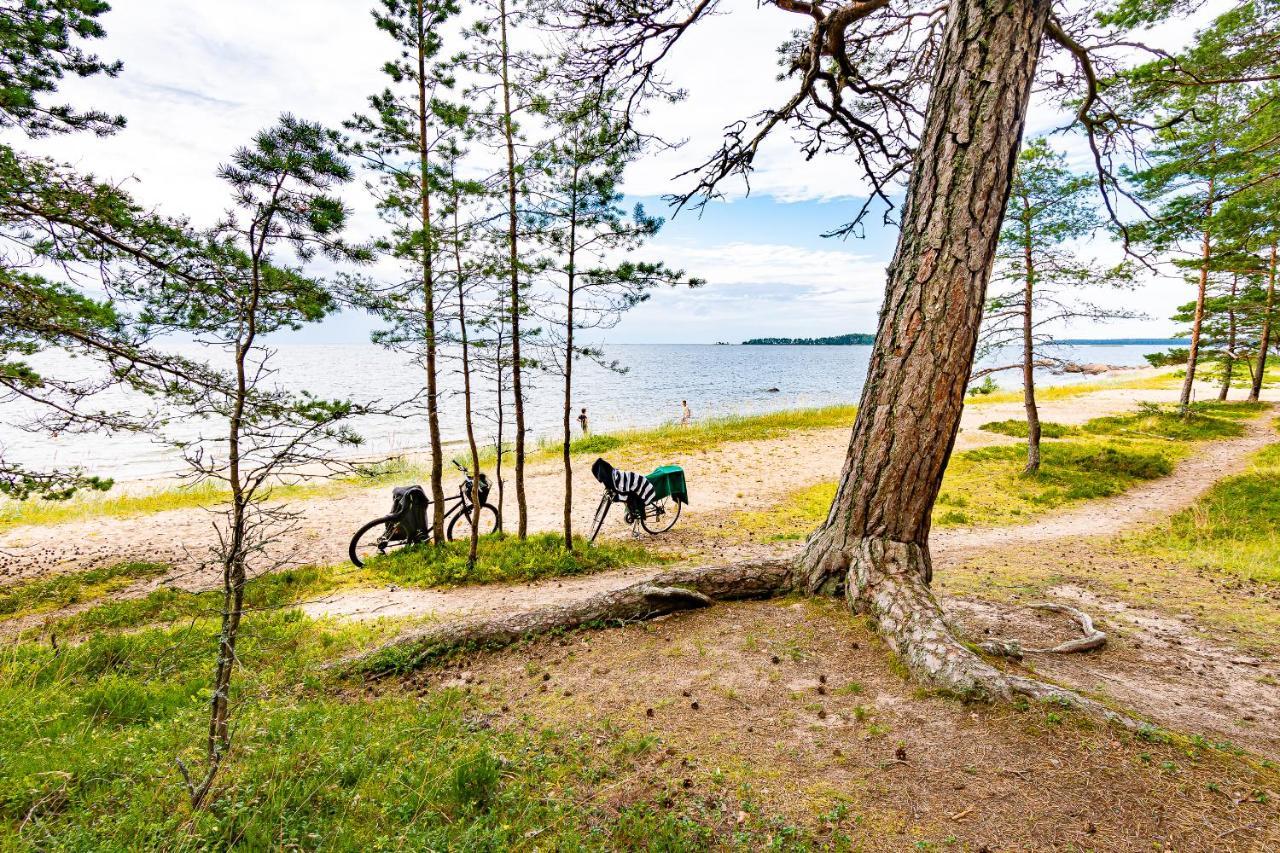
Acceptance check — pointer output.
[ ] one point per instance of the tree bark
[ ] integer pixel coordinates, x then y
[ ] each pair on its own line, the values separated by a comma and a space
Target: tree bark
517, 389
874, 543
428, 288
1229, 368
1028, 349
1193, 354
1264, 342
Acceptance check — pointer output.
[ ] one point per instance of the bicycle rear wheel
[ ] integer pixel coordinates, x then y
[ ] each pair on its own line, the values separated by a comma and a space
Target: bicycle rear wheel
374, 539
660, 515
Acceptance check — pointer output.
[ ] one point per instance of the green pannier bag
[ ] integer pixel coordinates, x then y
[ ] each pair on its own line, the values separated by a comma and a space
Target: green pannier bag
668, 481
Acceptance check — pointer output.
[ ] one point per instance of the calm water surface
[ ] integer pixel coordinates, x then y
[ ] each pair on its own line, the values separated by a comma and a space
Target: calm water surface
716, 380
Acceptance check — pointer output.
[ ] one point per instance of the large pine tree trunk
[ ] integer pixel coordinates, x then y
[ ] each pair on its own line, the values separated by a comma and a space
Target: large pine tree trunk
1265, 343
874, 543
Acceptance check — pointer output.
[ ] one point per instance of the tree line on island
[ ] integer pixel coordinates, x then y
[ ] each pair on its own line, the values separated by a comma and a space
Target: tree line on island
496, 171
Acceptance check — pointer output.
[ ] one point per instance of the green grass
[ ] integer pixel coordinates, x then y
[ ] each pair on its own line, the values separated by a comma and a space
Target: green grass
51, 593
986, 486
1233, 528
1201, 422
89, 736
169, 606
673, 439
1150, 382
1018, 428
504, 559
500, 560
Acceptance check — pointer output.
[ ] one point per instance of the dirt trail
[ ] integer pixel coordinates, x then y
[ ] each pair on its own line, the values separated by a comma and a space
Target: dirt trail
1156, 499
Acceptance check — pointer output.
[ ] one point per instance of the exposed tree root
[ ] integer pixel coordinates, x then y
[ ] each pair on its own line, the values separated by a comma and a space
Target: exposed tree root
1092, 639
669, 592
888, 581
885, 581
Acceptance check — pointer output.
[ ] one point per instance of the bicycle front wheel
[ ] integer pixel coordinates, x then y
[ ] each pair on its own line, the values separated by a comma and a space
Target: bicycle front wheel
373, 539
598, 522
660, 515
460, 524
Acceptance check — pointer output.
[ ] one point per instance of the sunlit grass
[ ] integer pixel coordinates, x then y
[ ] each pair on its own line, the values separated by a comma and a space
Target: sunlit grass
1163, 380
1232, 528
987, 487
671, 438
505, 559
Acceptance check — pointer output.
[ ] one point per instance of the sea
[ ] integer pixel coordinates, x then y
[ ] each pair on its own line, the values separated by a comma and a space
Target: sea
644, 388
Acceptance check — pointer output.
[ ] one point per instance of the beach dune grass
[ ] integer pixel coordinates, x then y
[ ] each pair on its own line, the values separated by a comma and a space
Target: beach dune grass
707, 433
669, 438
986, 487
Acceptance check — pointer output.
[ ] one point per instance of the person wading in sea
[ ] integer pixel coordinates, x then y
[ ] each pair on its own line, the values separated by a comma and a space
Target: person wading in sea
582, 421
686, 416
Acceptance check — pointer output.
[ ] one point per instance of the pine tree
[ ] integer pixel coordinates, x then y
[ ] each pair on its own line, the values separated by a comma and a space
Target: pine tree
77, 254
576, 215
282, 187
1038, 272
506, 94
401, 139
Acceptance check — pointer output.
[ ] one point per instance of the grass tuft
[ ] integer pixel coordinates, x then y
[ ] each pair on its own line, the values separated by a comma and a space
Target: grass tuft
505, 559
51, 593
1018, 428
1233, 528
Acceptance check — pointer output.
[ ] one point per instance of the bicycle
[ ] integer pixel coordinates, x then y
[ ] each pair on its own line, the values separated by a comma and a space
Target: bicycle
658, 515
409, 523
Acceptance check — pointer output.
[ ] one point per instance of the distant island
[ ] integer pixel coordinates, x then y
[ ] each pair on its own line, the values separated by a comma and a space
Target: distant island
1122, 342
855, 339
864, 339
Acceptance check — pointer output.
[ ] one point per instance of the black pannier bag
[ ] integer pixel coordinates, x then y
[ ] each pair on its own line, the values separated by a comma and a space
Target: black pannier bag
409, 506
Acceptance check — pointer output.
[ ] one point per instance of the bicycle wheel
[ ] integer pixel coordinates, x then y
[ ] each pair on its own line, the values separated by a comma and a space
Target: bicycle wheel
660, 515
601, 511
373, 540
460, 524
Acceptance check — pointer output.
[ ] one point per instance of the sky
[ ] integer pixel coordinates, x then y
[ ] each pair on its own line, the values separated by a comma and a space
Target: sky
201, 78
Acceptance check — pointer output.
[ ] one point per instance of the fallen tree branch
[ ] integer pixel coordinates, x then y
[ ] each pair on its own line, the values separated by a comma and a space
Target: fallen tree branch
1092, 639
668, 592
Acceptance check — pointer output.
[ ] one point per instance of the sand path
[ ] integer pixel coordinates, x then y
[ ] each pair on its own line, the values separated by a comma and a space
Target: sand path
733, 476
1140, 505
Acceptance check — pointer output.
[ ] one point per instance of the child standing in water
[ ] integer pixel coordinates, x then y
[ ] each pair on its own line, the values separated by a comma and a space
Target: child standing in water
582, 421
686, 416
